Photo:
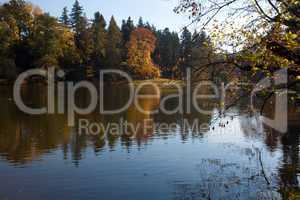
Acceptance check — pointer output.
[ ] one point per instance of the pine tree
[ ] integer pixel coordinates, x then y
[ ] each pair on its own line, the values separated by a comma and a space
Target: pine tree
199, 39
83, 40
76, 16
127, 28
82, 34
99, 40
148, 26
114, 39
202, 51
166, 52
64, 19
141, 23
185, 50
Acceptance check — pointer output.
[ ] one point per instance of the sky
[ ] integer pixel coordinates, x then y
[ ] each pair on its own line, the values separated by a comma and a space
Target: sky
157, 12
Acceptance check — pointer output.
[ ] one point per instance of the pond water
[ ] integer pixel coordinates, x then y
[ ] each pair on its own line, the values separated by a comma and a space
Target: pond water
41, 157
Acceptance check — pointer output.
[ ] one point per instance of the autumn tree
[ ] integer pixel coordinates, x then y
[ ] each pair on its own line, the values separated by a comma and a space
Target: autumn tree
267, 36
31, 39
7, 64
20, 11
18, 16
70, 56
45, 41
260, 37
140, 47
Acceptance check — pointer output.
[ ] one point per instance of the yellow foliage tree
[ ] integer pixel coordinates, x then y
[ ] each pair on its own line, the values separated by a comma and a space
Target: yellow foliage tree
141, 45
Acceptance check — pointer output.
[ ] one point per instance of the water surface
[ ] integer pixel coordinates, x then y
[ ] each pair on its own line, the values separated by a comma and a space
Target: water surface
42, 158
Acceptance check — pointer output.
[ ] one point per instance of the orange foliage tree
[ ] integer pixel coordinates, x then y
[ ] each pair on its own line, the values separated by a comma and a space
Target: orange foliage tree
140, 47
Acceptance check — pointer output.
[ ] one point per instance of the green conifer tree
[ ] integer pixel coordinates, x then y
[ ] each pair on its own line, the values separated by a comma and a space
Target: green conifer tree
64, 19
99, 40
114, 40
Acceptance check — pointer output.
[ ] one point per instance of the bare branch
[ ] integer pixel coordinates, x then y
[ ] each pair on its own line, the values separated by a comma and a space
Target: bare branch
262, 11
273, 5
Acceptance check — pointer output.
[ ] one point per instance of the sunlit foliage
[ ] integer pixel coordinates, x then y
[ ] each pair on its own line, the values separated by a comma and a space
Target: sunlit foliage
262, 33
31, 38
141, 45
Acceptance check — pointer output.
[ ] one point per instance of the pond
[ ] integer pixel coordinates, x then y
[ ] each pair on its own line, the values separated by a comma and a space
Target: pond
233, 157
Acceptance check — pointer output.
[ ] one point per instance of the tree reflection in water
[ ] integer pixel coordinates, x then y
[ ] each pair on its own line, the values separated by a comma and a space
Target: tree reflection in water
230, 171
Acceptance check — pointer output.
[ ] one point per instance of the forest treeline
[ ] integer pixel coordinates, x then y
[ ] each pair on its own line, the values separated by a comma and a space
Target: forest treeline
30, 38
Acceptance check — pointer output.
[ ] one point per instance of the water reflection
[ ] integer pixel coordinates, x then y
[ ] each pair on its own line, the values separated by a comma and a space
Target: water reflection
211, 164
290, 165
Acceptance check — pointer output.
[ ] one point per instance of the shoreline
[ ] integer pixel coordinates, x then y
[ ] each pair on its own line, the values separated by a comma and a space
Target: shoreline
161, 82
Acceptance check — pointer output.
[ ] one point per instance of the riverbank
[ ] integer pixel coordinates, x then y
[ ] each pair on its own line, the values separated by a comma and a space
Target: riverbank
160, 82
